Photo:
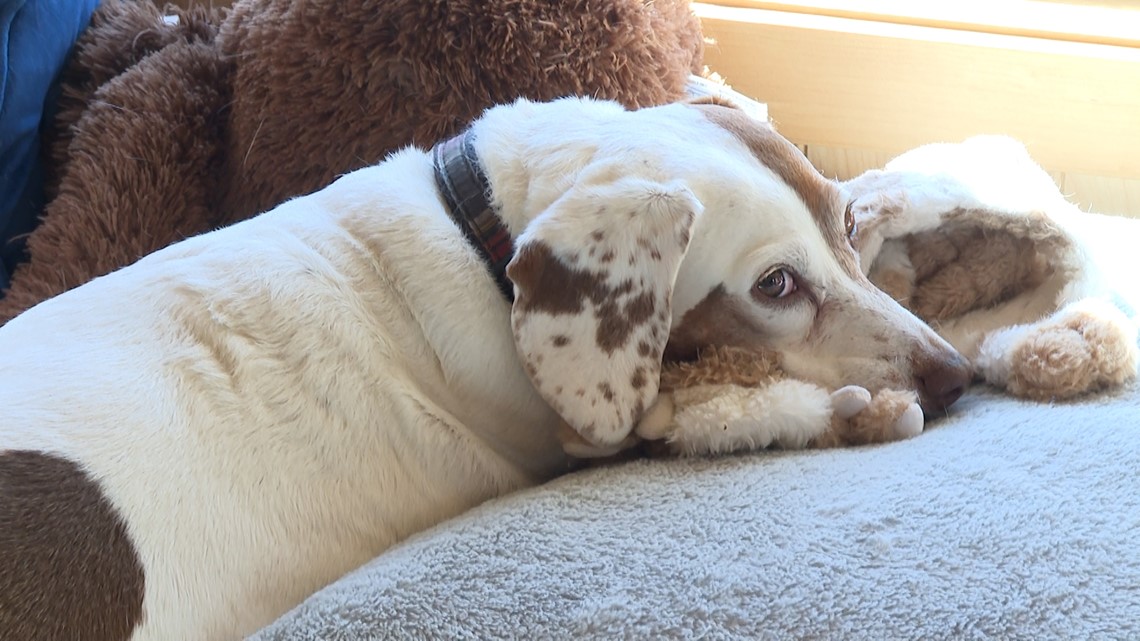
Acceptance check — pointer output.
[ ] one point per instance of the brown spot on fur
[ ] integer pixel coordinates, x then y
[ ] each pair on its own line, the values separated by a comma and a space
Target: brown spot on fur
598, 236
561, 340
645, 349
619, 321
638, 381
607, 257
68, 569
821, 196
548, 285
716, 320
606, 390
564, 290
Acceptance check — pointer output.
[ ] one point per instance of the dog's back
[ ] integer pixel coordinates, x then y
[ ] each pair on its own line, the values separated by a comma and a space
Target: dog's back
239, 419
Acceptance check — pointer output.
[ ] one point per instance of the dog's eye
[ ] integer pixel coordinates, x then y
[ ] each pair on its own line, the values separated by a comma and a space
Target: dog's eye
778, 283
849, 219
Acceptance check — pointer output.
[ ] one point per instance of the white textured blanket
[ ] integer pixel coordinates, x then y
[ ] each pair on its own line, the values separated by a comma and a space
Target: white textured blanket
1008, 520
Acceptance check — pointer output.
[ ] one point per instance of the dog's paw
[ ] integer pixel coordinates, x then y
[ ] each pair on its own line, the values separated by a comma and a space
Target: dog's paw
1085, 347
861, 418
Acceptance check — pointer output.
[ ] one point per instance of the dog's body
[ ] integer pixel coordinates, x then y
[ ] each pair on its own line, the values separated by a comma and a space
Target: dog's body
246, 415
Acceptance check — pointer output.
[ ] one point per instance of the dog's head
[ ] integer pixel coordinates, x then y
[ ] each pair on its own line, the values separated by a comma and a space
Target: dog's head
651, 235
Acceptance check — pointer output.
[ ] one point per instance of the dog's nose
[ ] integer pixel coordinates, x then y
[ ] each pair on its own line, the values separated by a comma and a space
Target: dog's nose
940, 384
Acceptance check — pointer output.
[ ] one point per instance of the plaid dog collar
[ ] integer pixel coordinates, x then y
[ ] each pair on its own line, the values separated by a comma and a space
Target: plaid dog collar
464, 188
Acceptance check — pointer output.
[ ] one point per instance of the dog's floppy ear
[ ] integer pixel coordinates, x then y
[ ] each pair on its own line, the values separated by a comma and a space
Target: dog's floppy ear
593, 278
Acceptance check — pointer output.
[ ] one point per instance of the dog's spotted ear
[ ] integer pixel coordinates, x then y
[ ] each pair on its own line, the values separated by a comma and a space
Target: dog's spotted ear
593, 278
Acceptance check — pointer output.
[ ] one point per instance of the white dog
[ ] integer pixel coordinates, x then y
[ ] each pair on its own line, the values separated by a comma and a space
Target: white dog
192, 445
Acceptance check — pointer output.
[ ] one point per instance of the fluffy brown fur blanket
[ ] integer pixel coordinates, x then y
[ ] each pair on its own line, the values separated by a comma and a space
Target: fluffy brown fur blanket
170, 130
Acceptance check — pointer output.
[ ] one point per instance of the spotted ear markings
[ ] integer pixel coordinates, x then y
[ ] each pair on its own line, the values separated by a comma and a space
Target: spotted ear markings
593, 280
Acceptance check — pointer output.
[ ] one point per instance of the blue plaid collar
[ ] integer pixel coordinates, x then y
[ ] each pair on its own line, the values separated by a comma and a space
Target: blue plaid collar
466, 192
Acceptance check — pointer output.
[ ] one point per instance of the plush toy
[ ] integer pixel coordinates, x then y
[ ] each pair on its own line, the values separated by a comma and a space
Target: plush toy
172, 125
732, 396
733, 399
975, 239
978, 241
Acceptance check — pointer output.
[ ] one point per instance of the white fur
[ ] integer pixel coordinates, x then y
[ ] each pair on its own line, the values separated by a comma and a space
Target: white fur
357, 413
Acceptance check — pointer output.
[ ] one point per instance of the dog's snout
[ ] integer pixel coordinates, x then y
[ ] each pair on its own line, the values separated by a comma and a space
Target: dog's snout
942, 383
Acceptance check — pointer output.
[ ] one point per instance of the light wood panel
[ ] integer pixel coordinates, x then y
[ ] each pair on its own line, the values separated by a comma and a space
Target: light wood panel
1116, 23
1099, 194
881, 89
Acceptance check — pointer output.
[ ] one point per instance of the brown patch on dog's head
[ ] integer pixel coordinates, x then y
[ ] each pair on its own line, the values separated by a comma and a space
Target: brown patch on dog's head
786, 161
68, 569
618, 309
716, 320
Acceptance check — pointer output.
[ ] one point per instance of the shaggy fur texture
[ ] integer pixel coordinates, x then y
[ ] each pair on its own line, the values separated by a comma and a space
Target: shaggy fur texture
873, 419
732, 399
169, 131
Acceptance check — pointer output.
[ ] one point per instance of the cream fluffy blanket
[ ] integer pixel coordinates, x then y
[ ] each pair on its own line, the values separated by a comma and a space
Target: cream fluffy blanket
1008, 520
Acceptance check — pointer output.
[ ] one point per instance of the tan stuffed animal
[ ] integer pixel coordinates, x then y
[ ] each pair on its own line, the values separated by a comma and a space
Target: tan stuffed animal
733, 399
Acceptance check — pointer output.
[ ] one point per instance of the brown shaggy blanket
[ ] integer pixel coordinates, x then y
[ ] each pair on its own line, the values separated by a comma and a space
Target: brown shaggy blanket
170, 130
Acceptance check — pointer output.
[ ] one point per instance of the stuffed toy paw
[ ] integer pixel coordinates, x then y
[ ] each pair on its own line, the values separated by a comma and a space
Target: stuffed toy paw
1087, 345
733, 400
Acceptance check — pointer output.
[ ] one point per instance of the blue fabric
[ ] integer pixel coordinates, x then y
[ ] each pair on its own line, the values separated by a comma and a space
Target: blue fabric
35, 38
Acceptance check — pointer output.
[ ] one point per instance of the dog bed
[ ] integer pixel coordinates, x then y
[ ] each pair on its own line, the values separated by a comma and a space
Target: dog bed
1007, 520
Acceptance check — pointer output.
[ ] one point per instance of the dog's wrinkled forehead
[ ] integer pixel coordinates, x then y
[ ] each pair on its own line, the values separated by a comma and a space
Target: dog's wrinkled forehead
822, 197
